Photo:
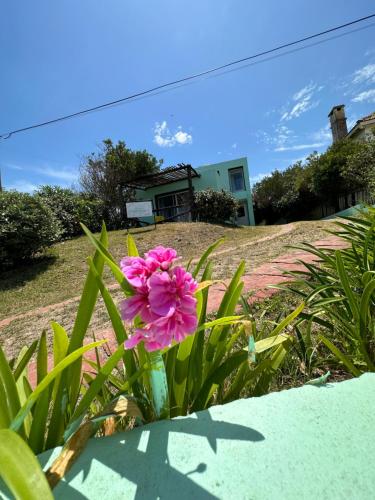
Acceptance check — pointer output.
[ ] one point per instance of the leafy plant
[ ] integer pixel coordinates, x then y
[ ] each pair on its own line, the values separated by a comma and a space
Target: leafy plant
70, 208
20, 469
339, 289
215, 206
42, 416
203, 367
26, 227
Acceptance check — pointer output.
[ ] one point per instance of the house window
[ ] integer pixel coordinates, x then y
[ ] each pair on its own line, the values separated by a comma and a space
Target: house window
174, 205
236, 179
241, 211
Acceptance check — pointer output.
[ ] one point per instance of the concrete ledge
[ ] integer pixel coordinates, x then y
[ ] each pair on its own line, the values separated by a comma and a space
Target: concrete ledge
306, 443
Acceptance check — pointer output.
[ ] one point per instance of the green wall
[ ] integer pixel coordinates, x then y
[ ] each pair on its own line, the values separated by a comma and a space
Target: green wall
213, 176
303, 444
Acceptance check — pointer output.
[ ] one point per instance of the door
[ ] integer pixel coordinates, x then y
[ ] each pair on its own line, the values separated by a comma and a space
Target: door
242, 218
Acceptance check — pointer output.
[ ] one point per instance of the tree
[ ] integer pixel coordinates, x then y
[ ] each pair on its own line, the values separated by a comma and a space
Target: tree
284, 195
359, 171
328, 179
103, 175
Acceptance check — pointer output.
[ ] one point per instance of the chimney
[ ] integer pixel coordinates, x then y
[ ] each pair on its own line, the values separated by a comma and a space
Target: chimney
338, 122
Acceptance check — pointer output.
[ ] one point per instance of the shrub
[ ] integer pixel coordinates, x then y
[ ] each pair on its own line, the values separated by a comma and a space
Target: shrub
27, 227
340, 292
215, 206
71, 208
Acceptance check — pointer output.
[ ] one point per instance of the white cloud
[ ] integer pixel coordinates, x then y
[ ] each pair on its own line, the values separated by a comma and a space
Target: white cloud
258, 177
234, 145
304, 91
302, 101
164, 138
23, 186
324, 134
369, 52
57, 173
365, 96
183, 137
62, 173
13, 166
364, 75
298, 147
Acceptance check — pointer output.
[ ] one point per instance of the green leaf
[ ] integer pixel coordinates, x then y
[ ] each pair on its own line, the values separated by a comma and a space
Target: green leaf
38, 427
10, 400
217, 378
22, 362
341, 356
205, 256
98, 382
104, 253
132, 247
70, 358
21, 470
346, 285
118, 326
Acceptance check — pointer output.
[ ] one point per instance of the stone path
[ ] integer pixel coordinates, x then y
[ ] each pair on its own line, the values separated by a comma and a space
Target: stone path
257, 284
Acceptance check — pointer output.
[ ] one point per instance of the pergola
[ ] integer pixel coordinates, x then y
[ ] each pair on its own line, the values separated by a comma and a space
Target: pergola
166, 176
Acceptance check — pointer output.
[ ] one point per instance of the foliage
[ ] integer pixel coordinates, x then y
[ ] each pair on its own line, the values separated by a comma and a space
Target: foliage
70, 208
328, 179
207, 366
27, 227
103, 173
340, 292
215, 206
284, 195
360, 168
20, 469
293, 194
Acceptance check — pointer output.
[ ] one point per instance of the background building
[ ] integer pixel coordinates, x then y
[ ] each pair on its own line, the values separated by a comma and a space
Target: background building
171, 190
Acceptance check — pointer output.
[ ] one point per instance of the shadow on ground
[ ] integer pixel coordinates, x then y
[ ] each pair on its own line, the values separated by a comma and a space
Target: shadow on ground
106, 462
15, 277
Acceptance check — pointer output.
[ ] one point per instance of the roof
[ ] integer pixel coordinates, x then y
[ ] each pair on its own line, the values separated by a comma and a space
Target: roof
368, 117
363, 121
165, 176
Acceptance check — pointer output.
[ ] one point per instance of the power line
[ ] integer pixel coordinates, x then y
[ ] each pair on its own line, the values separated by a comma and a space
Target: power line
7, 135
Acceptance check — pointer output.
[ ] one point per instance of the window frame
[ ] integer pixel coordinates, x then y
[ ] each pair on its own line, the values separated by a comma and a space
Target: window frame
240, 169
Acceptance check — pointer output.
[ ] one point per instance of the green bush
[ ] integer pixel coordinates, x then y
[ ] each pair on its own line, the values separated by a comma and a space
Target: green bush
27, 227
71, 208
339, 290
215, 206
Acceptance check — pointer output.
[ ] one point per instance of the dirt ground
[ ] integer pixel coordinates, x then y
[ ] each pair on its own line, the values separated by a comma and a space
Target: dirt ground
30, 298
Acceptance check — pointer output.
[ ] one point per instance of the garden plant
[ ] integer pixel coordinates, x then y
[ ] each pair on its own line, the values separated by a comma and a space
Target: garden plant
171, 357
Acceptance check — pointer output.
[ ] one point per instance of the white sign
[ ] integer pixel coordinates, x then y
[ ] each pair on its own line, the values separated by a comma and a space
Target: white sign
139, 209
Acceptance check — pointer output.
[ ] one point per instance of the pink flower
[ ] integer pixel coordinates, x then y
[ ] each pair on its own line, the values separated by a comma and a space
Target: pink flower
135, 270
164, 299
171, 290
164, 257
176, 325
137, 305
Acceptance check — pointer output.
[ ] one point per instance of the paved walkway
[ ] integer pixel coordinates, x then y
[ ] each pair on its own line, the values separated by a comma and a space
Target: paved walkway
257, 284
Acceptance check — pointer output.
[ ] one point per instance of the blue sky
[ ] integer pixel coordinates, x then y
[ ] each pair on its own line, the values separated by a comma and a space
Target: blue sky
60, 57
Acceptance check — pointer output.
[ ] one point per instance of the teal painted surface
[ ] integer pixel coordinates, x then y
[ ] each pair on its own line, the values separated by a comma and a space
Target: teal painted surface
349, 212
213, 176
159, 386
315, 442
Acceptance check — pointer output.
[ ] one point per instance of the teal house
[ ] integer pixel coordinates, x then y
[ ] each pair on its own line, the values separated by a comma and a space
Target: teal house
172, 189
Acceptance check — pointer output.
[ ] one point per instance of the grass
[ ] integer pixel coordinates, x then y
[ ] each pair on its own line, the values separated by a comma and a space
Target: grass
29, 287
